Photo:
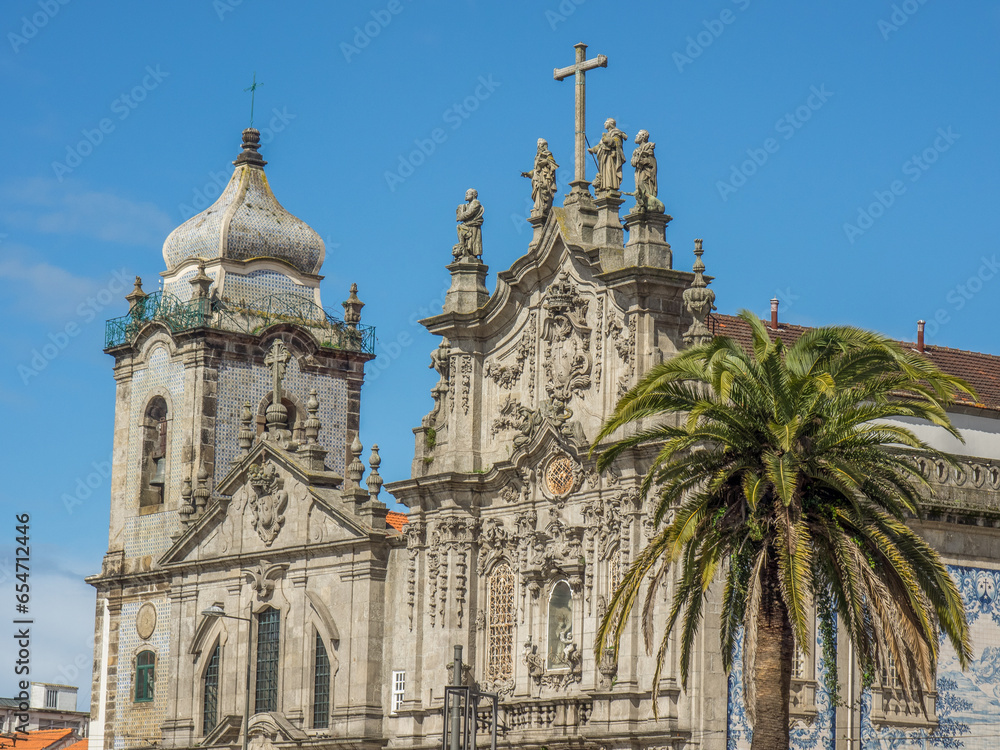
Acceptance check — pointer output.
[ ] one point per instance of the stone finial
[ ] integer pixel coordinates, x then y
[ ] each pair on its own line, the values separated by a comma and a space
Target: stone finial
200, 282
374, 479
312, 425
352, 309
202, 493
355, 469
187, 508
699, 301
246, 431
469, 215
136, 297
251, 144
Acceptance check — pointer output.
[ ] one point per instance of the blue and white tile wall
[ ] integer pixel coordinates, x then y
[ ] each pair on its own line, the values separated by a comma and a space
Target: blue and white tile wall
138, 724
241, 382
819, 734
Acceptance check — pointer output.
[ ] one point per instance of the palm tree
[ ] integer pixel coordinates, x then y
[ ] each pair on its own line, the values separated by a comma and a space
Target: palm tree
776, 472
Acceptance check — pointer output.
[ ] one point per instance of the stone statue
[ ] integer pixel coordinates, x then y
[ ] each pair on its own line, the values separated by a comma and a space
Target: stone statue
610, 157
644, 161
543, 179
469, 216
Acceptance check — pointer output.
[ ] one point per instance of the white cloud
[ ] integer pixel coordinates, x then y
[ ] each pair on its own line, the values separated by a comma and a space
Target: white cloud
42, 291
45, 206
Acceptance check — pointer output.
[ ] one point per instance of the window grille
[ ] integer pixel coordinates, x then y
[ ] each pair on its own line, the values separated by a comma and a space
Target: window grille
268, 630
211, 694
144, 675
321, 686
398, 690
51, 698
500, 625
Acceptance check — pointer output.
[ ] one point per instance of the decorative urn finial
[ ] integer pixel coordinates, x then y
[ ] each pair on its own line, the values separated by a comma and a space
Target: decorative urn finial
699, 301
251, 144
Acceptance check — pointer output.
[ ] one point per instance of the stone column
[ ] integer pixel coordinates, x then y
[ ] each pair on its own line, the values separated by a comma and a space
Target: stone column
647, 245
468, 286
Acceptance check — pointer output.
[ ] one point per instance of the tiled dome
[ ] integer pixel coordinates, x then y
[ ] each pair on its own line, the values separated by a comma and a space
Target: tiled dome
246, 223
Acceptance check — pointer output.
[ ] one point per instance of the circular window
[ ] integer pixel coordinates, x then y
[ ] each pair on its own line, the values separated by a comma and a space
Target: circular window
559, 475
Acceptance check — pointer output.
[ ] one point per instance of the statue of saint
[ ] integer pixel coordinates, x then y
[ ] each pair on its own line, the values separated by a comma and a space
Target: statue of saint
543, 179
610, 157
469, 216
644, 161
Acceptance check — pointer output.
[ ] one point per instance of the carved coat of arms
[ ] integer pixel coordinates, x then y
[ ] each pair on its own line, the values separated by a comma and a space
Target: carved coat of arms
268, 502
567, 341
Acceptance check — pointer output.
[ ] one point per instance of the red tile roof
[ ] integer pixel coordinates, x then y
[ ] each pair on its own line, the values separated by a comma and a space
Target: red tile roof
79, 745
981, 371
397, 520
39, 740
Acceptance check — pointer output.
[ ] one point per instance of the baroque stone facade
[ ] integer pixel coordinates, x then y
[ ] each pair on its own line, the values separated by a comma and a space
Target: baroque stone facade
238, 488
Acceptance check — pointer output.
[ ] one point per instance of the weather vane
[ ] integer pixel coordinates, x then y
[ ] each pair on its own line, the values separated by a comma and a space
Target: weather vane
253, 93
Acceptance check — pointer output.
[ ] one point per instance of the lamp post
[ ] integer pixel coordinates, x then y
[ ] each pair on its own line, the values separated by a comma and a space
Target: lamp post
216, 611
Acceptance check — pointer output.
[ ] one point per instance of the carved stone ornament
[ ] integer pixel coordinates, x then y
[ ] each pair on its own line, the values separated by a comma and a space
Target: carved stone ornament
507, 376
145, 620
567, 360
263, 577
268, 501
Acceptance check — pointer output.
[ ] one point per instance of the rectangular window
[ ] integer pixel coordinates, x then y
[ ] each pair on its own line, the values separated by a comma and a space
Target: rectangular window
268, 630
51, 698
144, 676
398, 690
210, 710
321, 686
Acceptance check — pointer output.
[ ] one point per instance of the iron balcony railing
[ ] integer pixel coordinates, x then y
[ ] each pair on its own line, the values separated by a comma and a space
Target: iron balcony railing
179, 315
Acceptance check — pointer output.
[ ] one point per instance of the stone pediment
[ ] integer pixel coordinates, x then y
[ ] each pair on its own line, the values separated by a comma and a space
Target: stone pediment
268, 502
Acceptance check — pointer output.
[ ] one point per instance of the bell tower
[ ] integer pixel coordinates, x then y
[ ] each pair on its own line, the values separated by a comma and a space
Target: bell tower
236, 346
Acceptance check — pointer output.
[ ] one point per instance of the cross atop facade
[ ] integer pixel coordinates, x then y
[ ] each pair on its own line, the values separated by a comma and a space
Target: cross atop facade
579, 68
277, 357
253, 93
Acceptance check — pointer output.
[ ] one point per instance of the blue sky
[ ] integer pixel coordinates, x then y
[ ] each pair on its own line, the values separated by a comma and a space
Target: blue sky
842, 157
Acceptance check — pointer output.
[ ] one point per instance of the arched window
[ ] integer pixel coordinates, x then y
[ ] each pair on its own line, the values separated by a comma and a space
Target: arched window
210, 714
154, 453
500, 624
560, 626
268, 632
321, 686
145, 676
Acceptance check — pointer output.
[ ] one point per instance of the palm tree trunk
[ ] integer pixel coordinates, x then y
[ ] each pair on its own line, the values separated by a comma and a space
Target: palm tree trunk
773, 670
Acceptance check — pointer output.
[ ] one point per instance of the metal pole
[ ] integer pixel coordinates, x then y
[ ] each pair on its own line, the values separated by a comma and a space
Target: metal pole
456, 711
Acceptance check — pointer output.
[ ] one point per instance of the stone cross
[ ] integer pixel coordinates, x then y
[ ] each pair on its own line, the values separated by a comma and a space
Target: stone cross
579, 68
277, 357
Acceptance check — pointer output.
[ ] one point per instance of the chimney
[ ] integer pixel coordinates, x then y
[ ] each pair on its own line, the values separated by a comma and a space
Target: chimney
774, 313
920, 335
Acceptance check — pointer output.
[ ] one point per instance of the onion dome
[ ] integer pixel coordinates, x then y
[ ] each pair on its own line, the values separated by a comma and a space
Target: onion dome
246, 223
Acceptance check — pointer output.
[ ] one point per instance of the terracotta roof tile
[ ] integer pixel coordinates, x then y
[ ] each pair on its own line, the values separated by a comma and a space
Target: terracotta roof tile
981, 371
39, 740
79, 745
397, 520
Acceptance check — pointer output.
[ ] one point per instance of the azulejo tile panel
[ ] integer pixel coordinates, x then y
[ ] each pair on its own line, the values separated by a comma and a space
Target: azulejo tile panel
138, 724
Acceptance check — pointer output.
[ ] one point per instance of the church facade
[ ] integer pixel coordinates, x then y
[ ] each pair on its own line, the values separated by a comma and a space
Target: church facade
255, 579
